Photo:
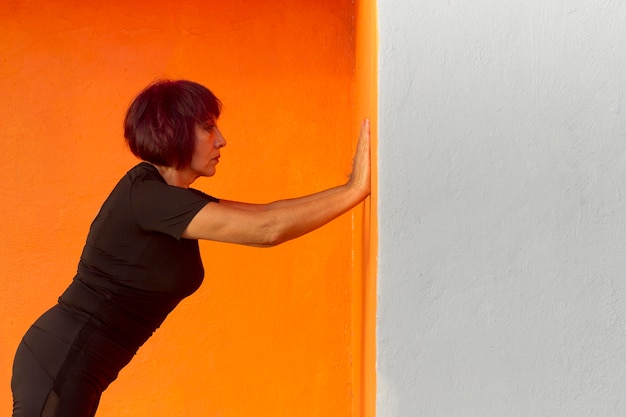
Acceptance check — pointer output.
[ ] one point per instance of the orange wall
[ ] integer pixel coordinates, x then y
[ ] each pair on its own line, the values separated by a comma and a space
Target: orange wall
365, 235
271, 332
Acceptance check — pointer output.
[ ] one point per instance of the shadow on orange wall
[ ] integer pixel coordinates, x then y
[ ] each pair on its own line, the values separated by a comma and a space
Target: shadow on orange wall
271, 332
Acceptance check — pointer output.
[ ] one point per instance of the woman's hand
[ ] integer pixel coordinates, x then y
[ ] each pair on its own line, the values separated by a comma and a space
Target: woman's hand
360, 179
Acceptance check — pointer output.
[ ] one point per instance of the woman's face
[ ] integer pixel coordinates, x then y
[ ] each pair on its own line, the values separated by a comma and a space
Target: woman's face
209, 141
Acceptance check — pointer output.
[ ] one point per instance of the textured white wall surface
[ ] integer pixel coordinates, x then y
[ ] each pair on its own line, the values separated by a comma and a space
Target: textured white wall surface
502, 256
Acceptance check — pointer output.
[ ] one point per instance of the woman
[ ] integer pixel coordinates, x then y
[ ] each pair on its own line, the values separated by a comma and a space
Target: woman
142, 258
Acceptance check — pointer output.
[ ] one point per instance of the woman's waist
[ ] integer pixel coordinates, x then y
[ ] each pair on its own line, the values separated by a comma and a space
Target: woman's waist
106, 317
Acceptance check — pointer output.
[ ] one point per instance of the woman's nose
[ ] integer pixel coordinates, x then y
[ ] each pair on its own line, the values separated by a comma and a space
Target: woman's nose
220, 142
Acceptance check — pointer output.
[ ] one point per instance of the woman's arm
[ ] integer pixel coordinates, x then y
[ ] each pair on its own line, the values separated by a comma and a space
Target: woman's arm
280, 203
274, 223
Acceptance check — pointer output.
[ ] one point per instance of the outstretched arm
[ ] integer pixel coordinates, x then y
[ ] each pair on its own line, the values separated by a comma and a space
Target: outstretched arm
281, 203
274, 223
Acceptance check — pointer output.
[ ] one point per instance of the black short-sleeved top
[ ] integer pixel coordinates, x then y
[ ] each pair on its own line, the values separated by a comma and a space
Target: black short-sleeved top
135, 268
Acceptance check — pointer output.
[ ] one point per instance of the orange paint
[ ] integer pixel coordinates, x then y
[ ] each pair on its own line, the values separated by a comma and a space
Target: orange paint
365, 236
271, 331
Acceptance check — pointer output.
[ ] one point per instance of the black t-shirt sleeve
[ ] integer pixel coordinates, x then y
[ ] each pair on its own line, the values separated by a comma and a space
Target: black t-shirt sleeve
159, 207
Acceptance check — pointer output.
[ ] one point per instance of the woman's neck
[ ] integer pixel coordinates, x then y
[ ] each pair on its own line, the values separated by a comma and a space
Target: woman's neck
176, 177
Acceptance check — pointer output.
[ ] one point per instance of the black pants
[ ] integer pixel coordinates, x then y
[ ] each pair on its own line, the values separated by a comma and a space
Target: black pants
62, 366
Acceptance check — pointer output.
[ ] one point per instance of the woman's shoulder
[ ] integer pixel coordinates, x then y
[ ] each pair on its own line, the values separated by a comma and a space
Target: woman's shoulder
144, 171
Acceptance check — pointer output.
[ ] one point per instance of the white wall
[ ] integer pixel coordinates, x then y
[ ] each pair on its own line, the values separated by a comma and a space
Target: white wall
502, 209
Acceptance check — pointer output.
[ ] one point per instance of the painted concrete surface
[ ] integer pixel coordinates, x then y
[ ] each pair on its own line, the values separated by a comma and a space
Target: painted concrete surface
270, 331
502, 234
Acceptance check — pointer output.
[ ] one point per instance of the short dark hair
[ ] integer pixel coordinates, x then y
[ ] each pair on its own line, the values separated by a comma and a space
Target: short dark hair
160, 125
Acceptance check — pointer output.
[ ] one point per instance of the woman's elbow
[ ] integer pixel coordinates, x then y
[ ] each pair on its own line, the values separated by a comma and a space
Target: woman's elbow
274, 238
270, 234
277, 231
